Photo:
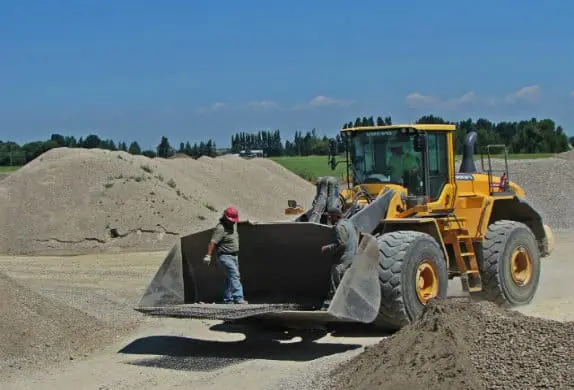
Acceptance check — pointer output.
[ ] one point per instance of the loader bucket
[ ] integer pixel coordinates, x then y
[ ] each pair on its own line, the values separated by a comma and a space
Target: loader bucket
281, 278
283, 272
279, 263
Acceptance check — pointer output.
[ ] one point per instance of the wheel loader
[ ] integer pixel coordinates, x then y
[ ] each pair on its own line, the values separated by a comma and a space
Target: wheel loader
422, 222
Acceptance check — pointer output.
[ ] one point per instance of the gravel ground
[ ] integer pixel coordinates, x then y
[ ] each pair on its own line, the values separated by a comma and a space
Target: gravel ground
71, 200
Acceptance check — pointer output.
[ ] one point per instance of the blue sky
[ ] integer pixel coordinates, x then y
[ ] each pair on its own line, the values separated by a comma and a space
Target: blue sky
192, 70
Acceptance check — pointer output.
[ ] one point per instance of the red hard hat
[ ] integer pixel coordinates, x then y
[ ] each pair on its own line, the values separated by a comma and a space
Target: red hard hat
232, 214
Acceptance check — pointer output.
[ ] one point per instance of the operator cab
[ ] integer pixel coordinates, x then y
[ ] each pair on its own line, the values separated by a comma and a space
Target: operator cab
415, 157
386, 157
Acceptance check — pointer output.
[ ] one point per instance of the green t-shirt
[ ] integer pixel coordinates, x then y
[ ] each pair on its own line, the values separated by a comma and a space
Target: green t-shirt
401, 164
226, 239
410, 161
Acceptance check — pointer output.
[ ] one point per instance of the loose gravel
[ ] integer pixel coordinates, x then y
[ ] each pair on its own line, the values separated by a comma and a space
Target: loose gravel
462, 345
549, 184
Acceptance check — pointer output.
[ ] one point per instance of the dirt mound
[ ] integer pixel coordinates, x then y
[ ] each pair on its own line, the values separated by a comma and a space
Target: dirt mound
34, 329
74, 200
462, 345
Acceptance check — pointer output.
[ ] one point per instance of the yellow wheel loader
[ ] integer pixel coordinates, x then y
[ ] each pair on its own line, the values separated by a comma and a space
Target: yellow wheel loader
422, 222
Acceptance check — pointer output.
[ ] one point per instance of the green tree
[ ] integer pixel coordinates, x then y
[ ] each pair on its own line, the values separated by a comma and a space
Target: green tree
149, 153
135, 148
164, 149
92, 141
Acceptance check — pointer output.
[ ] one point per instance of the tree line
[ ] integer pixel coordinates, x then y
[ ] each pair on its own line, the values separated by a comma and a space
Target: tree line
526, 136
13, 154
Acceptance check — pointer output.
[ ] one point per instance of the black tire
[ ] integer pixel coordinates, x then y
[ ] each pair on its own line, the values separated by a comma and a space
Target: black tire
401, 253
502, 238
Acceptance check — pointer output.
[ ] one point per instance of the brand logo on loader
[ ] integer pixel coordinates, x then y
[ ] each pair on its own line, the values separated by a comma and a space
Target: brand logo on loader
464, 176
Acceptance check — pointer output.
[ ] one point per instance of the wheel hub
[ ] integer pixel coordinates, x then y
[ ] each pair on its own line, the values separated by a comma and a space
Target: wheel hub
521, 266
426, 281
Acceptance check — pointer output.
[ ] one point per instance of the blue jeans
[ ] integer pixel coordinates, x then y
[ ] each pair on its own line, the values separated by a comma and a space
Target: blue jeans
233, 287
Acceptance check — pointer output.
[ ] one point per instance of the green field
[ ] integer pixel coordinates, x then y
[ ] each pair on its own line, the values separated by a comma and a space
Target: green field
8, 169
311, 167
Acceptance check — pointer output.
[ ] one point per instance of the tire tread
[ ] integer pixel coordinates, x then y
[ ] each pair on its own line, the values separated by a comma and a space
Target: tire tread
393, 247
493, 247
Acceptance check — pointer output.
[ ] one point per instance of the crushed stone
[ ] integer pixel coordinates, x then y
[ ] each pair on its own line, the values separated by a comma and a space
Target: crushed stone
459, 344
548, 184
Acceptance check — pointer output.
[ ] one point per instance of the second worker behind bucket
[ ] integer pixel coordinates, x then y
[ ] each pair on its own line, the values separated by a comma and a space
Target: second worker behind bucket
346, 240
225, 240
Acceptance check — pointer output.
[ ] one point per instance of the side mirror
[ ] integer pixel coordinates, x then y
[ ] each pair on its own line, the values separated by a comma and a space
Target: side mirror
332, 147
332, 153
333, 163
420, 142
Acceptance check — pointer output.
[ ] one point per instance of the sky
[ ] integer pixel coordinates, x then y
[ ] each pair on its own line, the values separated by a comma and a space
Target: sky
190, 70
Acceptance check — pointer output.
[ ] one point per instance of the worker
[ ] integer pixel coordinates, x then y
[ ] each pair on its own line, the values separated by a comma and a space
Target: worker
346, 240
226, 239
401, 163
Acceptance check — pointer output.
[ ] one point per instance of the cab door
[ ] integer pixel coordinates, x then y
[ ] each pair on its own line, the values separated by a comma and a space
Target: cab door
440, 160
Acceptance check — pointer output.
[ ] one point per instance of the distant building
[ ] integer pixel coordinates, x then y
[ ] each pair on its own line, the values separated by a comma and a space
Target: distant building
222, 151
252, 153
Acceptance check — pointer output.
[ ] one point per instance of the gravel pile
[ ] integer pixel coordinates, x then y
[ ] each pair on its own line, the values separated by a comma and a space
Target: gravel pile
35, 329
548, 184
75, 200
462, 345
569, 155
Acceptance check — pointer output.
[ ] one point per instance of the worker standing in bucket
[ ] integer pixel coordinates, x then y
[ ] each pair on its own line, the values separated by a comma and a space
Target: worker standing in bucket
226, 239
346, 240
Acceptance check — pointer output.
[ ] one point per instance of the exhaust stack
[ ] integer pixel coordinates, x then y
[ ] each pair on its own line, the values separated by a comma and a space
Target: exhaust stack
467, 165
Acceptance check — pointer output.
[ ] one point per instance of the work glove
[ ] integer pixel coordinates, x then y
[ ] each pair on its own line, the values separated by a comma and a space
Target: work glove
326, 248
207, 260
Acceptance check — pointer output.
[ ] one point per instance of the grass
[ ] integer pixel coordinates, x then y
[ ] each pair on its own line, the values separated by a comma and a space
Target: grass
311, 167
8, 169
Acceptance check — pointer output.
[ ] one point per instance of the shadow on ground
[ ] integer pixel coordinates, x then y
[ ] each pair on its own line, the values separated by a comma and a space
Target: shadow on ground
190, 354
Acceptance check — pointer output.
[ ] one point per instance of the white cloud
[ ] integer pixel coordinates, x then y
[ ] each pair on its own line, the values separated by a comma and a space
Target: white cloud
416, 99
214, 107
263, 104
526, 94
325, 101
